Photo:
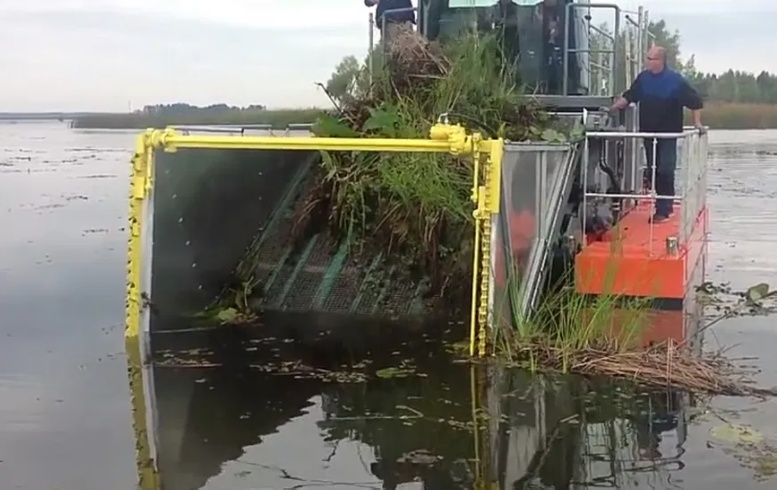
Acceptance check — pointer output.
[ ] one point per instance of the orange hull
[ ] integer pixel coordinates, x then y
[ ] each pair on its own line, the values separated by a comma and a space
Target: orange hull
632, 260
664, 325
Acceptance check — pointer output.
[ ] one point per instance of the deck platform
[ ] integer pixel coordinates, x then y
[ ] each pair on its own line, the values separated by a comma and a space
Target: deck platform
633, 258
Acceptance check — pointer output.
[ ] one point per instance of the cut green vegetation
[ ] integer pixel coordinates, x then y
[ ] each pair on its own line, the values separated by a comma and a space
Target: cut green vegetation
414, 208
417, 207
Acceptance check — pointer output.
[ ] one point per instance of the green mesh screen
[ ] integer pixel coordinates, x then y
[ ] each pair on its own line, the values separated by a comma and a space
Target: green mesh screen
209, 207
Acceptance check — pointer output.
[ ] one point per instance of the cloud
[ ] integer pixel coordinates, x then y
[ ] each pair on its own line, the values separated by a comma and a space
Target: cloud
110, 54
267, 14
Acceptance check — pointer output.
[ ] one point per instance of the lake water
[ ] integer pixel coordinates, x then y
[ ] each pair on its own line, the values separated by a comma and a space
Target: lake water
64, 405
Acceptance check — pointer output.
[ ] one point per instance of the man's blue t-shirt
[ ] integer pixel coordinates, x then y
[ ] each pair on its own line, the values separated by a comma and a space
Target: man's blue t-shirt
384, 5
661, 98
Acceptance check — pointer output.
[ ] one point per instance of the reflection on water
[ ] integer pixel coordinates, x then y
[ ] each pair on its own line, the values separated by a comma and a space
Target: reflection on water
362, 417
587, 435
395, 414
370, 412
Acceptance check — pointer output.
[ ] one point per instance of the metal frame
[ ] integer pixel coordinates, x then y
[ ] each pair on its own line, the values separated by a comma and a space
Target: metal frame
574, 102
443, 138
637, 39
618, 76
136, 319
243, 129
691, 161
567, 51
549, 198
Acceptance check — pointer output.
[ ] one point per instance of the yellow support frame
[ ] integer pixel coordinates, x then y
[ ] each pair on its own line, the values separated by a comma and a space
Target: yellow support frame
443, 138
140, 186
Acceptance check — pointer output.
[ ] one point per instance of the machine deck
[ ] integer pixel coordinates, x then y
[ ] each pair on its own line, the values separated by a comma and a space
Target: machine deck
633, 258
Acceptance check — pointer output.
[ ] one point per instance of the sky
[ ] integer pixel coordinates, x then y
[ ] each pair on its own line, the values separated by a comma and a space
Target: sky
115, 55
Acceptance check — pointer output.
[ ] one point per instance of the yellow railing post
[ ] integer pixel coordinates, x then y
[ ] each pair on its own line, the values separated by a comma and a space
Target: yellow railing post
443, 138
488, 199
140, 184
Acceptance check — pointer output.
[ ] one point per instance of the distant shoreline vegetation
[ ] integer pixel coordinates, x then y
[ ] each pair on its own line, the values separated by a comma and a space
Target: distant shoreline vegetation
185, 115
717, 115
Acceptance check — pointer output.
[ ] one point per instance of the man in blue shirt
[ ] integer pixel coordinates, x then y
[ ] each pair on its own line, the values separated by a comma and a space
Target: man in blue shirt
662, 94
396, 22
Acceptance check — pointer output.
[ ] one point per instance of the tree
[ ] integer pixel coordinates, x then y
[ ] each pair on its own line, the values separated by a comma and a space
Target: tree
344, 80
669, 41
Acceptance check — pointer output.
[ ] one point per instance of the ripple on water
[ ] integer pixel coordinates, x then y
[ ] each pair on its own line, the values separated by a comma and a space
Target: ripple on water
20, 397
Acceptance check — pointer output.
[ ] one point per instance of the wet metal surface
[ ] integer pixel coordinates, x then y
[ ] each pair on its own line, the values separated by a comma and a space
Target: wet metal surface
64, 406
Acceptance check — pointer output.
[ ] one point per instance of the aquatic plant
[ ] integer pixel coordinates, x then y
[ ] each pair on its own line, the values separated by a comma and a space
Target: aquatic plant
417, 207
605, 336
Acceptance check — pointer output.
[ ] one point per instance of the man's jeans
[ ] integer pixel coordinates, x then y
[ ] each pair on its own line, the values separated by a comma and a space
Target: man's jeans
666, 163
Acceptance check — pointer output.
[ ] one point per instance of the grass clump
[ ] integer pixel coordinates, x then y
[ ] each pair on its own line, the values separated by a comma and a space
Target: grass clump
565, 323
608, 336
417, 206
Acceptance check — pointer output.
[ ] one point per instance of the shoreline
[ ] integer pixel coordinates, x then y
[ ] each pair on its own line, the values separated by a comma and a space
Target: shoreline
278, 119
716, 115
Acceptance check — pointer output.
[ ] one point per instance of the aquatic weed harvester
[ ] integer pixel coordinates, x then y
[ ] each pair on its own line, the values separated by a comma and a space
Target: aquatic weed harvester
235, 212
203, 197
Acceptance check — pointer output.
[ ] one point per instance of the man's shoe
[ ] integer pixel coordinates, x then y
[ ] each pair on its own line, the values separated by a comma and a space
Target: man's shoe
659, 218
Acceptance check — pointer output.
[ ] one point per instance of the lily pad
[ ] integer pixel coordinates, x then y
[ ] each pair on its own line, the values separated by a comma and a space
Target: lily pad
553, 136
757, 292
739, 434
227, 315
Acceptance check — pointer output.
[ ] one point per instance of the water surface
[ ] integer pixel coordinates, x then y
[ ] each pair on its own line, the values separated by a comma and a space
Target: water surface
65, 415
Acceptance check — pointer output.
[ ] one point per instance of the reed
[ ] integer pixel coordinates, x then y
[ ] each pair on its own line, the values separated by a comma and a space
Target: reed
605, 337
733, 115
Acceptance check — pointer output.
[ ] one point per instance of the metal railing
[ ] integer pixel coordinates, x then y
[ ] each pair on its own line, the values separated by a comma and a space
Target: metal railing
691, 164
601, 76
619, 59
245, 129
693, 152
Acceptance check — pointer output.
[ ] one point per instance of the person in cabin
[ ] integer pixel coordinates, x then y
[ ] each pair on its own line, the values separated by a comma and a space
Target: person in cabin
662, 94
397, 23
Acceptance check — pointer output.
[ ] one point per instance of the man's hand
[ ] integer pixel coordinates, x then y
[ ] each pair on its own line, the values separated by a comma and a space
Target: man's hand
699, 127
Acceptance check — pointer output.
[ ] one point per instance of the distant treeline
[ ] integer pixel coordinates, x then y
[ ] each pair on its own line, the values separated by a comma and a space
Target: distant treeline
734, 86
717, 115
183, 109
186, 115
